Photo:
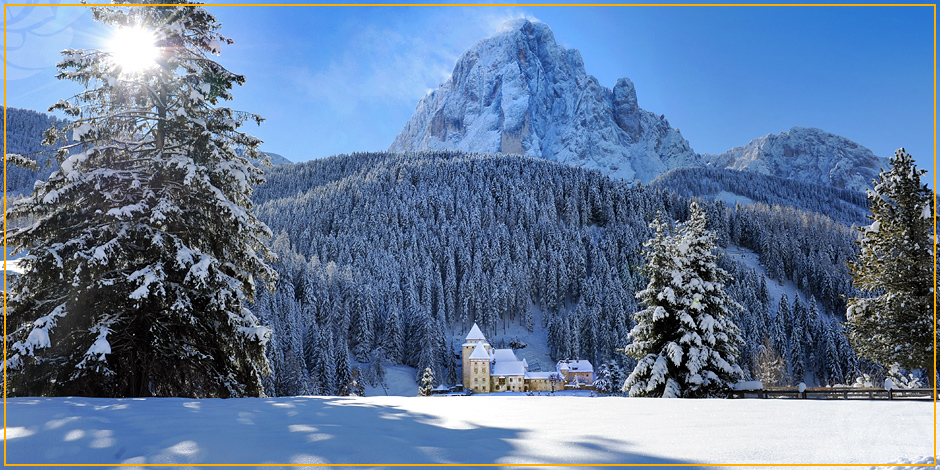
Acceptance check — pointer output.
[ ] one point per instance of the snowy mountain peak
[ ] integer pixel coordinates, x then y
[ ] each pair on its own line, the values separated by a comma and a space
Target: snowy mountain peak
518, 91
806, 154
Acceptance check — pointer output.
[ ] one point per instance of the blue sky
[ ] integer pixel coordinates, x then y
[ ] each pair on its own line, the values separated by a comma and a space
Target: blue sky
343, 79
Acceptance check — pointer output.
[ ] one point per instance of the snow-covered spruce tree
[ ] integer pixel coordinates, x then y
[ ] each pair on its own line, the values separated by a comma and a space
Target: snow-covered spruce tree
892, 323
602, 382
427, 383
144, 251
685, 341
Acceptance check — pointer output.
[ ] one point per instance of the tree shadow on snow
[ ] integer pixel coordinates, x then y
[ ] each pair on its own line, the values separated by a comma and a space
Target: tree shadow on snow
298, 430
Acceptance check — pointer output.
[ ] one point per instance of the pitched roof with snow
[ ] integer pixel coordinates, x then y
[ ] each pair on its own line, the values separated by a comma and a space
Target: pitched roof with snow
506, 363
479, 352
505, 355
538, 375
508, 368
475, 334
576, 366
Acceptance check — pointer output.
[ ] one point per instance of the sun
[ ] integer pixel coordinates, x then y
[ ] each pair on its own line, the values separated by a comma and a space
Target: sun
133, 49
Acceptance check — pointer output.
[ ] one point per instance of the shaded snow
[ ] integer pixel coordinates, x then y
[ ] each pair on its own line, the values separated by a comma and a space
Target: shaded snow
481, 429
399, 381
922, 462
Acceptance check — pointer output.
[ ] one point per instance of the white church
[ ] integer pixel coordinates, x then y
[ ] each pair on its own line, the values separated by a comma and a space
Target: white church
486, 369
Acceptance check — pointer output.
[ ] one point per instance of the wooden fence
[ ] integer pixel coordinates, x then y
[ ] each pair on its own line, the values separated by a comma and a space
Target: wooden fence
836, 393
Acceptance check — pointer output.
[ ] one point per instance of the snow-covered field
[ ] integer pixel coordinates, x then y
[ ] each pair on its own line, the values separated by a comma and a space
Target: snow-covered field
480, 429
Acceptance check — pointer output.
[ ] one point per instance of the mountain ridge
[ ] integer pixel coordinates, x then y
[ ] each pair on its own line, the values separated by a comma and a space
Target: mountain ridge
518, 91
849, 165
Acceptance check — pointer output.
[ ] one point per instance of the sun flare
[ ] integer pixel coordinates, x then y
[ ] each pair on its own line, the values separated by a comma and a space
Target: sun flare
133, 49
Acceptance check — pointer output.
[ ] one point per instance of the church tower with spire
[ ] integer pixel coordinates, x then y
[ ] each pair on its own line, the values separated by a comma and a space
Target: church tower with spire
476, 354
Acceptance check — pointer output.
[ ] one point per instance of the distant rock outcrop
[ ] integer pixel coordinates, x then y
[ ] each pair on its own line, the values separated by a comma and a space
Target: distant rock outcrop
806, 154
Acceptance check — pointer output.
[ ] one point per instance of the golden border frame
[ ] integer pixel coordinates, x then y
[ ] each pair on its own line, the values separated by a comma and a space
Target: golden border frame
935, 461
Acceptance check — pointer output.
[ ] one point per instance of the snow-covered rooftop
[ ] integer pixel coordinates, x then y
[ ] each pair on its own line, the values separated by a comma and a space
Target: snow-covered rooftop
576, 366
508, 368
506, 363
475, 334
505, 355
479, 352
538, 375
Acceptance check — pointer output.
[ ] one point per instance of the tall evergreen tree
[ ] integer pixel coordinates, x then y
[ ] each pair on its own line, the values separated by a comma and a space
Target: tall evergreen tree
427, 383
327, 366
144, 250
363, 334
832, 366
798, 364
892, 322
685, 342
343, 368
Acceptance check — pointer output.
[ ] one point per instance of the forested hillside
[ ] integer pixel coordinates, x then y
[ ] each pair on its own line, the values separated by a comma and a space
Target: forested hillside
23, 136
393, 256
844, 205
390, 256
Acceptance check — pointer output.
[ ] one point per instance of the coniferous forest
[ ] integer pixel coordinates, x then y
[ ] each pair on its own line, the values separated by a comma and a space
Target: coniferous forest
387, 259
389, 256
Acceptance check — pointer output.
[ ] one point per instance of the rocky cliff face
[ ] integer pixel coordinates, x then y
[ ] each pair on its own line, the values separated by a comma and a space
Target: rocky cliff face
520, 92
805, 154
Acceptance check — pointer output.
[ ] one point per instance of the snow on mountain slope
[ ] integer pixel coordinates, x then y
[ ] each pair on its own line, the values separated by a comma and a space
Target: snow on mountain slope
808, 155
520, 92
775, 287
277, 159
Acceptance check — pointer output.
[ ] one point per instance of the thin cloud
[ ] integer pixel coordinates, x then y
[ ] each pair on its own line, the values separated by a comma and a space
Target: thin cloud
31, 30
492, 21
387, 65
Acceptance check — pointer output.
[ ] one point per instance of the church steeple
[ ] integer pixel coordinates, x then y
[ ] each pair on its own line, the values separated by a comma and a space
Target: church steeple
475, 341
475, 335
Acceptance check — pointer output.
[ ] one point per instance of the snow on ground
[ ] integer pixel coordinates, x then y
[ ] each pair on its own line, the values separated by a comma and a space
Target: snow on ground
916, 463
481, 429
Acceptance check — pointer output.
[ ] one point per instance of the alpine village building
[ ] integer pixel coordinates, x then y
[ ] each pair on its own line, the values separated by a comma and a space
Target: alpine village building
486, 369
